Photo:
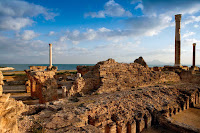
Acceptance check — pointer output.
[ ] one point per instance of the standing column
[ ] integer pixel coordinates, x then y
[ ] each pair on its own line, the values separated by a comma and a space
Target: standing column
50, 55
178, 40
194, 51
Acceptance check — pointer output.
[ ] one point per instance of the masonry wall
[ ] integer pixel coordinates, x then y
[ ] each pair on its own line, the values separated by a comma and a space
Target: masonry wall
110, 76
42, 85
1, 83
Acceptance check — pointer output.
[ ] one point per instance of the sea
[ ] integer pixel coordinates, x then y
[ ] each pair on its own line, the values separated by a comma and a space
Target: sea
22, 67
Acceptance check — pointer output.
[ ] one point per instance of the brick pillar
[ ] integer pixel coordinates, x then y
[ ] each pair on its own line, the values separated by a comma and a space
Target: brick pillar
194, 51
178, 40
33, 88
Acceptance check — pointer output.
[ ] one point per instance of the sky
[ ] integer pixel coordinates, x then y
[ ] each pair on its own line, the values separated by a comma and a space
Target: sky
89, 31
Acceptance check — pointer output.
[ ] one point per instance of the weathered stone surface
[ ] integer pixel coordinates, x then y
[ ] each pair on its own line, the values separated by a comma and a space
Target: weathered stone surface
38, 68
110, 76
126, 110
43, 85
141, 61
10, 109
1, 83
84, 69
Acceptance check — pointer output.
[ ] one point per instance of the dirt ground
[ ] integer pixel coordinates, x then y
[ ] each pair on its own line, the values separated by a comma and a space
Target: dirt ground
190, 117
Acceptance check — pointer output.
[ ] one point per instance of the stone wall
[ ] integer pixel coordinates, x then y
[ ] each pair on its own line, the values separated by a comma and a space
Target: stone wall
1, 83
84, 69
42, 85
141, 61
190, 76
38, 68
10, 109
118, 112
109, 76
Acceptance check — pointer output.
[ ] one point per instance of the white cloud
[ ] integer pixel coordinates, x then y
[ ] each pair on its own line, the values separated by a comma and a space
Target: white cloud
136, 1
14, 23
190, 41
111, 9
170, 7
29, 35
103, 29
135, 27
192, 19
51, 33
139, 6
196, 26
16, 14
188, 34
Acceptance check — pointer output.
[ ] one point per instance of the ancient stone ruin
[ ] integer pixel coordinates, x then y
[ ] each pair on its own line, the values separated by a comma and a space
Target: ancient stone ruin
110, 76
1, 83
10, 109
109, 97
42, 84
141, 61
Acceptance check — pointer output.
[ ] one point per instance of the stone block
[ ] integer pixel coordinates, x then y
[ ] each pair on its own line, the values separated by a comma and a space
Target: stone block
1, 90
196, 98
4, 98
148, 121
64, 91
187, 103
199, 97
110, 128
131, 127
140, 125
28, 86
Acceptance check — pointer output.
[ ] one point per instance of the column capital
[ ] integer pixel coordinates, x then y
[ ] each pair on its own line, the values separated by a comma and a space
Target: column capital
194, 44
178, 17
50, 44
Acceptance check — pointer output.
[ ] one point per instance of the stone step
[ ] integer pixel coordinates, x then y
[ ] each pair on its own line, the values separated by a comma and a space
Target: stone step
14, 91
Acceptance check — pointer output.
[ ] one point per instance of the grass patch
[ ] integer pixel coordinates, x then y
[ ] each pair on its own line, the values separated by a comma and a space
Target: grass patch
73, 72
60, 73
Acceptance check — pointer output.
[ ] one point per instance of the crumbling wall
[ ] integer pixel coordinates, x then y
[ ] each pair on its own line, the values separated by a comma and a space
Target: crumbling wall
190, 76
38, 68
121, 111
141, 61
1, 83
43, 85
108, 76
84, 69
10, 109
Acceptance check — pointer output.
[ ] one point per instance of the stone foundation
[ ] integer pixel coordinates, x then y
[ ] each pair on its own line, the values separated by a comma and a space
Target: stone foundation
109, 76
1, 83
10, 109
42, 85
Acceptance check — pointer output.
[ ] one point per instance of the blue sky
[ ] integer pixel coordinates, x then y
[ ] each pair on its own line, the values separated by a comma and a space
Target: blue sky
88, 31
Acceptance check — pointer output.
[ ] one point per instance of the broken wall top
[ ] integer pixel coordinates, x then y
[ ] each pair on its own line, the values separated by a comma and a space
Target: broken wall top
107, 76
38, 68
1, 78
141, 61
41, 76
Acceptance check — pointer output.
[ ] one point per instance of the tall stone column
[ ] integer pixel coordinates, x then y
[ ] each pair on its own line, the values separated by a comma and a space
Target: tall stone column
194, 52
50, 55
178, 40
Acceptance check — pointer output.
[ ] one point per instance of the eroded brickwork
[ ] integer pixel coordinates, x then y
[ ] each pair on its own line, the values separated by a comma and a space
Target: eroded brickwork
110, 76
1, 83
10, 109
43, 85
